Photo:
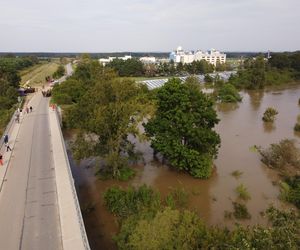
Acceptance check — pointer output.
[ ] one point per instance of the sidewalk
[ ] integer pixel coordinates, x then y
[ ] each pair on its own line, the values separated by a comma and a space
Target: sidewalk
72, 226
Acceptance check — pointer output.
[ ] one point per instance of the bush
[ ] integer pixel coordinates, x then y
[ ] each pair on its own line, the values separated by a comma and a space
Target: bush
290, 190
278, 155
178, 198
269, 115
297, 127
125, 203
228, 93
167, 228
236, 173
240, 211
242, 192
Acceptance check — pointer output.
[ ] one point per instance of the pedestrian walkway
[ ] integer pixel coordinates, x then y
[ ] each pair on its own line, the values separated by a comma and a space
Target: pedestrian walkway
29, 214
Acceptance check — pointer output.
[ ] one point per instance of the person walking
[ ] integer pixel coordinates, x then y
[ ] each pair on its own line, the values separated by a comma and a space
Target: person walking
7, 147
30, 109
6, 143
1, 159
5, 138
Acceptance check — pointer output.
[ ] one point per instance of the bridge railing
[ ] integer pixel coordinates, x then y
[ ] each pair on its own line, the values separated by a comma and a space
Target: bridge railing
73, 190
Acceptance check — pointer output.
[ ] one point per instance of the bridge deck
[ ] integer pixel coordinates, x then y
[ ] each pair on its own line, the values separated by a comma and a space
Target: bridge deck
29, 213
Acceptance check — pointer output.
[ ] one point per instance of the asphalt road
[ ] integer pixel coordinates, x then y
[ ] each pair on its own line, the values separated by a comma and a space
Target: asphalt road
29, 217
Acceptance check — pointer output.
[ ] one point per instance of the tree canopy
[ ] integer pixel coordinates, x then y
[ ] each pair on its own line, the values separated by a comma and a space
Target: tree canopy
182, 128
106, 109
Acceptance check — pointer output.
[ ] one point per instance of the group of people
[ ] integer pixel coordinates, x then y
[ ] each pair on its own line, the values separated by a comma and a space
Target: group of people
8, 148
19, 112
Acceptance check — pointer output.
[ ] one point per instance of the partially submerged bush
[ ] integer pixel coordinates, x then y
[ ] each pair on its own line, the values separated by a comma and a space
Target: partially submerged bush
297, 125
236, 173
240, 211
278, 155
290, 190
242, 192
167, 228
228, 93
269, 115
124, 203
178, 198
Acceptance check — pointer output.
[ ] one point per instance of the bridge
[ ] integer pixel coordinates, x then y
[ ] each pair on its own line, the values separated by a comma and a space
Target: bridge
39, 208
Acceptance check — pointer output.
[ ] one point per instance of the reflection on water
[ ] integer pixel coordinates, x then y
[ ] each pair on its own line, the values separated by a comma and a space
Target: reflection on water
269, 126
255, 98
240, 128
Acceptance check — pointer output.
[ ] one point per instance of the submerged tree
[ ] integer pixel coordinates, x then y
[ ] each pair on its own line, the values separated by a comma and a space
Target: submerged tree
106, 112
182, 131
228, 93
269, 115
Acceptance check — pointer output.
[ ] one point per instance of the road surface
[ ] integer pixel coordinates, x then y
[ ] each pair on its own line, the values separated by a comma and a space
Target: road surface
29, 217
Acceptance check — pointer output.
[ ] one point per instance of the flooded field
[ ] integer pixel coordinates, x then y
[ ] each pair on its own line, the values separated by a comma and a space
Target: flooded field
240, 128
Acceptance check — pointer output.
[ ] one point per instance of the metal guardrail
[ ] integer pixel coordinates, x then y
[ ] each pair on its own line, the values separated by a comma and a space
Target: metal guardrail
74, 193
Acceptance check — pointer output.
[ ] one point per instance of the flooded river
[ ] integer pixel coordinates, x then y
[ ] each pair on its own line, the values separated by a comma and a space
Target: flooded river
240, 128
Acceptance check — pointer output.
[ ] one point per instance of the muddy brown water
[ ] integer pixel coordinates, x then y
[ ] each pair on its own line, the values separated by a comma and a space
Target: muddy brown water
240, 128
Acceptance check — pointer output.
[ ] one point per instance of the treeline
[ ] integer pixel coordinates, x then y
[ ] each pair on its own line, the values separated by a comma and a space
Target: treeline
134, 67
256, 73
9, 84
92, 55
11, 63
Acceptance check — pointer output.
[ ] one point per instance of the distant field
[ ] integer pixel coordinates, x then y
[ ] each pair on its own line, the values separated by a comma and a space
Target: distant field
36, 75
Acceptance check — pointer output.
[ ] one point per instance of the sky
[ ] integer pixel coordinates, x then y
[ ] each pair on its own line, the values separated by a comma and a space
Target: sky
148, 25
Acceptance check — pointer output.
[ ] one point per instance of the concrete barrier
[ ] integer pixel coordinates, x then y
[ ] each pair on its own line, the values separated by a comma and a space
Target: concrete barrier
72, 227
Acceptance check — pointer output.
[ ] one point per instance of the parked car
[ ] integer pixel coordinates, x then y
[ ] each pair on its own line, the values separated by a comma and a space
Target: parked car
29, 90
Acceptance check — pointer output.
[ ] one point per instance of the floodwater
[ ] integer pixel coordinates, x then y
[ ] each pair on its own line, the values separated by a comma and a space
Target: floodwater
240, 128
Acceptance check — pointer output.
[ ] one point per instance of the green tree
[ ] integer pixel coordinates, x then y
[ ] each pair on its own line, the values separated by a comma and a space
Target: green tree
228, 93
208, 78
59, 72
112, 108
182, 128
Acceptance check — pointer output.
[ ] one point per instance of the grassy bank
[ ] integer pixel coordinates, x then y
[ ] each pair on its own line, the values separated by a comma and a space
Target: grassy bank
36, 75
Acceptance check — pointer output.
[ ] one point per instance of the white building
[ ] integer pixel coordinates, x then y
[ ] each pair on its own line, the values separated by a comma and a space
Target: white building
213, 56
105, 61
148, 59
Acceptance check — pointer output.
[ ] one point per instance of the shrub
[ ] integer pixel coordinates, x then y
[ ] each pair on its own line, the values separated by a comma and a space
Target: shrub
240, 211
167, 228
228, 93
278, 155
125, 203
297, 127
269, 114
242, 192
236, 173
178, 198
290, 190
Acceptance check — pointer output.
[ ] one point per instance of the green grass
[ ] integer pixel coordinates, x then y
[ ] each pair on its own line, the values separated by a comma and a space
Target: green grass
242, 192
36, 75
